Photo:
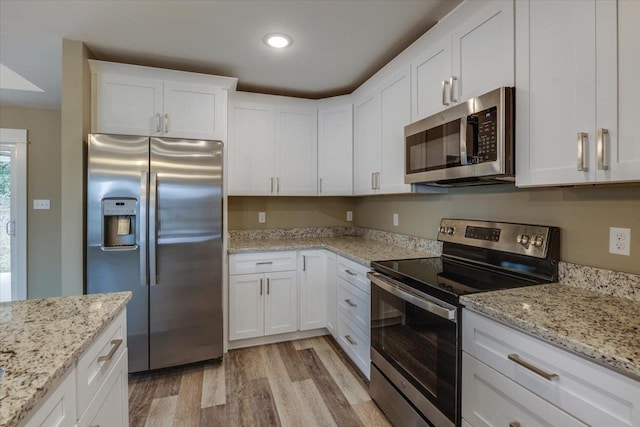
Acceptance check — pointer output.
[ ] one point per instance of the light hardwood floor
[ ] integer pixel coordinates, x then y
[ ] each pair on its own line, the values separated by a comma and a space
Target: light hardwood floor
300, 383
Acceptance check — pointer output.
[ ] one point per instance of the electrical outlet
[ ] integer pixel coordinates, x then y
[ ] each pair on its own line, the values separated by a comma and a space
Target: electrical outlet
395, 219
620, 241
349, 216
41, 204
262, 217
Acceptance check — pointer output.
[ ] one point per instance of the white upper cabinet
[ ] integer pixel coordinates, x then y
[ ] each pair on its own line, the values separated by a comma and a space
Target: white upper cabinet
366, 137
272, 146
380, 118
190, 111
297, 150
335, 150
573, 90
134, 100
473, 58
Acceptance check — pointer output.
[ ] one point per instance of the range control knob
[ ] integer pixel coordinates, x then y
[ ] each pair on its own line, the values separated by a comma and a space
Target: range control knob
523, 239
537, 241
449, 230
443, 229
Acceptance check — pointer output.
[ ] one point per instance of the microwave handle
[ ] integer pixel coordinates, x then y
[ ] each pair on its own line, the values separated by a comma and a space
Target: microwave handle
464, 160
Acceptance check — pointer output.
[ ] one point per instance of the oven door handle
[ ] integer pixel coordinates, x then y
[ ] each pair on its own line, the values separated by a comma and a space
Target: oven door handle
383, 282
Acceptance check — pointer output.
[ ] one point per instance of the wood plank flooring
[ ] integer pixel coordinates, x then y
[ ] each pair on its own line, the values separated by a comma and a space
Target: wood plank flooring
300, 383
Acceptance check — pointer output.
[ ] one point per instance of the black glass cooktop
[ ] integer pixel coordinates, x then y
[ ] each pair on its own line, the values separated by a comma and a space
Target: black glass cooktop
448, 279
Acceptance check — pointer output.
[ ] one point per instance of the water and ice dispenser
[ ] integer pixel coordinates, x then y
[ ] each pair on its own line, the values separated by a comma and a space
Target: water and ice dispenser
119, 224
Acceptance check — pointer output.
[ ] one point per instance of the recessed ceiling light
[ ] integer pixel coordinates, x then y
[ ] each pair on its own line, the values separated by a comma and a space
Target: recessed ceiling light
278, 40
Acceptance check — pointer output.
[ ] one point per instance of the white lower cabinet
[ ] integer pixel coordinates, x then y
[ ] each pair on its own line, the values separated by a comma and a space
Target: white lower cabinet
354, 313
511, 377
332, 294
262, 304
94, 391
312, 283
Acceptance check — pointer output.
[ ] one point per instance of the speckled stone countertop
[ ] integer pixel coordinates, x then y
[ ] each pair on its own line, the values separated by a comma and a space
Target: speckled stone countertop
358, 249
40, 339
603, 328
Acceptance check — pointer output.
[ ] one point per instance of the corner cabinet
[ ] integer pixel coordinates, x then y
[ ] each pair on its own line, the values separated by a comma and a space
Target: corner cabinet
272, 146
474, 58
335, 150
576, 93
379, 120
135, 100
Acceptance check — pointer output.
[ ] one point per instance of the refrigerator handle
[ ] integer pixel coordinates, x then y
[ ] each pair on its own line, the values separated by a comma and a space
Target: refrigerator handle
153, 221
142, 232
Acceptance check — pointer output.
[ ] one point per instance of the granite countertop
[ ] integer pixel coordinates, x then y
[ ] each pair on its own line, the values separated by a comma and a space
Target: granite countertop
358, 249
40, 339
601, 327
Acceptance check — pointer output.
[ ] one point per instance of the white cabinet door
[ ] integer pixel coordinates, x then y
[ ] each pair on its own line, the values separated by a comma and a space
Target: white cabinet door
331, 272
312, 283
251, 149
366, 144
483, 56
58, 407
281, 303
246, 306
428, 72
490, 399
395, 105
335, 151
193, 111
297, 151
128, 105
622, 144
556, 91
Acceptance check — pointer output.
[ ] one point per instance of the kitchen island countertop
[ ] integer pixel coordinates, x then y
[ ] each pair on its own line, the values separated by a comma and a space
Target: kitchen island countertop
358, 249
41, 339
602, 328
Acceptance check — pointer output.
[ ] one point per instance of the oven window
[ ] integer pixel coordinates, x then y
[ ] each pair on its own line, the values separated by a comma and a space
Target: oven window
437, 148
418, 344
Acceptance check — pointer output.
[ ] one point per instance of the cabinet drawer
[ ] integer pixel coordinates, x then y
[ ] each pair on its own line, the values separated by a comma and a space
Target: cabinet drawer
354, 273
97, 361
491, 399
262, 262
354, 342
110, 406
594, 394
354, 303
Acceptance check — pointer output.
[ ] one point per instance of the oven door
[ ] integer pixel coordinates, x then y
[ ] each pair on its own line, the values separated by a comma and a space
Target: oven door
414, 339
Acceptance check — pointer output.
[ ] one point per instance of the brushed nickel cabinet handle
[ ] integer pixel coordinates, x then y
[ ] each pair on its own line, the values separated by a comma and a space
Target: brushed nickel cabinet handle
271, 185
350, 273
115, 345
444, 92
350, 303
157, 122
373, 180
351, 341
546, 375
278, 185
602, 152
260, 286
452, 92
377, 180
268, 286
304, 263
582, 165
264, 262
166, 123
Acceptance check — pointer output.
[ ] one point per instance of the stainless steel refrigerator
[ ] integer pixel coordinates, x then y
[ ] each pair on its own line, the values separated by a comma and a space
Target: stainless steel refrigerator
154, 227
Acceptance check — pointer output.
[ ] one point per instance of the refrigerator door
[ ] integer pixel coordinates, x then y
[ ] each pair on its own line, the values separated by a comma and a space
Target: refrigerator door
185, 251
117, 173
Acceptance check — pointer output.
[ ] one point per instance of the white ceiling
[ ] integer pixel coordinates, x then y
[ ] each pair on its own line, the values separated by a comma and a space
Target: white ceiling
338, 44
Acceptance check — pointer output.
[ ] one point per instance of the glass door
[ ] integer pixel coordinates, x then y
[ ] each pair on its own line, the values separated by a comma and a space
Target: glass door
13, 215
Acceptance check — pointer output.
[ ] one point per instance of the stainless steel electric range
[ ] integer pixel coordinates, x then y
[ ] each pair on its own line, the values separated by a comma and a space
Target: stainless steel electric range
416, 313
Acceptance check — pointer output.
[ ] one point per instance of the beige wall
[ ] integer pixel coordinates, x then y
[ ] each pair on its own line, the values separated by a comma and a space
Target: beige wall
288, 212
75, 125
583, 214
43, 182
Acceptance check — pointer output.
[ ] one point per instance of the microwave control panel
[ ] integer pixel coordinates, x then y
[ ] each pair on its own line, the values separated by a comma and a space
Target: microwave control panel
487, 135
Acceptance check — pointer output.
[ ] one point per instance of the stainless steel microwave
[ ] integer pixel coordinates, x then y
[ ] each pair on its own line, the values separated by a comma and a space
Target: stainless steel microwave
469, 144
